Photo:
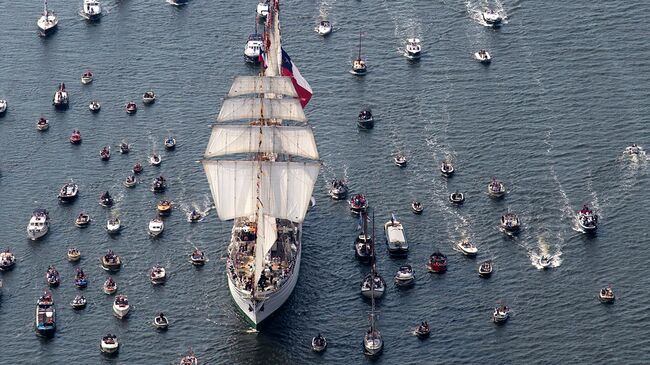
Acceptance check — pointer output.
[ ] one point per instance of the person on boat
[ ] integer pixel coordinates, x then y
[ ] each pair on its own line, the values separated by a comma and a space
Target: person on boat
161, 317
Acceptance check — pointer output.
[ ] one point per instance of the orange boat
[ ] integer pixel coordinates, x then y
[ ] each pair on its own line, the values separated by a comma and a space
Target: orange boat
164, 207
75, 137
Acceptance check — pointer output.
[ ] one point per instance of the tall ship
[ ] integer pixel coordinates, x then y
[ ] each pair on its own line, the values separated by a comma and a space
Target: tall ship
262, 163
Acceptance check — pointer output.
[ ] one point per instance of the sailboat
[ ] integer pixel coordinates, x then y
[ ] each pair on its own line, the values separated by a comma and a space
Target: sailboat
48, 21
373, 285
261, 174
373, 343
359, 65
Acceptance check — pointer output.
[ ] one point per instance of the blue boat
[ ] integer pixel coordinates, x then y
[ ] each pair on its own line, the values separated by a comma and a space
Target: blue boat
45, 315
80, 280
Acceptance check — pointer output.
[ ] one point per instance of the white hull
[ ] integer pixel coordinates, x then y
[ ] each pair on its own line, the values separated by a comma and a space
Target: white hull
109, 348
256, 313
121, 312
34, 235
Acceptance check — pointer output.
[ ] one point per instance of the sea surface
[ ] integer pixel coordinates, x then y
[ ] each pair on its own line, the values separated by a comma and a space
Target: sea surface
566, 92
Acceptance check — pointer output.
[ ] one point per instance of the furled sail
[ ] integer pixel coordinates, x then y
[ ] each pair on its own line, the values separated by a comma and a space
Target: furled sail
260, 108
285, 188
278, 85
266, 235
290, 140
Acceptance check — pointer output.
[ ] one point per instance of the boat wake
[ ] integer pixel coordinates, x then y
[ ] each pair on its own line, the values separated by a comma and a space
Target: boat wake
544, 249
203, 208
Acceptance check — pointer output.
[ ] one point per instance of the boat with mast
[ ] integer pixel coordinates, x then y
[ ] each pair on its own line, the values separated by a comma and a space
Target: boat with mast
359, 64
373, 343
261, 174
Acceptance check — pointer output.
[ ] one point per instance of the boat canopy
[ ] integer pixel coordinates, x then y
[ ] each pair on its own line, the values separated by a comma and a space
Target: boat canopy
395, 234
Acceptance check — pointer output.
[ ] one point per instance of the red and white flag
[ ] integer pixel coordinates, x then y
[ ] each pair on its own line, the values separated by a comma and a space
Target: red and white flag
299, 83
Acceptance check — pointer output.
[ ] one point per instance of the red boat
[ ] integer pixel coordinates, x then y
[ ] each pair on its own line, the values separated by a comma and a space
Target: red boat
437, 262
131, 107
75, 138
105, 154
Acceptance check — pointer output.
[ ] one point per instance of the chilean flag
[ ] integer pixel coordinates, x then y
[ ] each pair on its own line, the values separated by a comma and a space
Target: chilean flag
299, 83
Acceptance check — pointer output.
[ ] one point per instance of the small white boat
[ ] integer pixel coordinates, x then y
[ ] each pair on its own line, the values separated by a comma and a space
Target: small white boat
324, 27
263, 9
338, 189
501, 314
155, 160
92, 10
48, 21
111, 262
197, 257
254, 48
60, 99
496, 188
109, 344
447, 169
121, 306
131, 107
467, 248
38, 225
417, 207
42, 124
405, 276
94, 106
3, 107
79, 302
170, 143
456, 197
587, 219
545, 261
395, 237
130, 181
113, 226
485, 269
189, 359
318, 343
492, 18
148, 97
73, 255
510, 222
86, 77
160, 321
483, 56
606, 295
68, 192
373, 286
413, 50
7, 260
157, 275
400, 160
634, 150
110, 286
156, 227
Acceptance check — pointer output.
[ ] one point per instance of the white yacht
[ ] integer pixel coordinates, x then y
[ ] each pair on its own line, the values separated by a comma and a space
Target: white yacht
156, 227
545, 261
587, 219
3, 107
483, 56
254, 48
48, 21
395, 237
109, 344
121, 306
404, 276
263, 9
60, 99
38, 225
492, 18
510, 222
413, 50
91, 10
501, 314
467, 248
113, 225
268, 193
324, 27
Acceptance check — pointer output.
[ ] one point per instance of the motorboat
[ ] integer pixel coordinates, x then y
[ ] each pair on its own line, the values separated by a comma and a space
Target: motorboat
492, 18
447, 169
545, 261
48, 22
94, 106
170, 143
158, 185
496, 188
483, 56
510, 222
160, 321
60, 99
178, 2
137, 168
131, 108
92, 10
318, 343
157, 275
82, 220
338, 189
501, 314
587, 219
80, 279
110, 286
111, 262
149, 97
423, 330
456, 197
109, 344
194, 216
130, 181
197, 257
3, 107
485, 269
254, 48
75, 137
7, 260
164, 207
45, 315
156, 227
73, 255
125, 148
606, 295
263, 9
105, 200
52, 276
365, 120
113, 225
395, 237
373, 285
400, 160
155, 159
38, 225
105, 153
405, 276
437, 262
359, 66
413, 49
634, 150
358, 204
42, 124
417, 207
87, 77
79, 302
68, 192
189, 359
121, 306
324, 27
467, 248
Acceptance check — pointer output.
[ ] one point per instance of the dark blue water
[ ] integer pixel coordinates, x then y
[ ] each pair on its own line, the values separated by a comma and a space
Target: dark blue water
566, 92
